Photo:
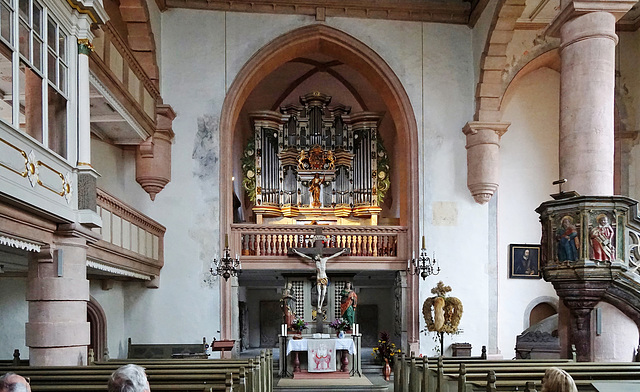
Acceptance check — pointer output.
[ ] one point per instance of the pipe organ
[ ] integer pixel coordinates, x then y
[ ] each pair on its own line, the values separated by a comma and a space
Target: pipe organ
313, 160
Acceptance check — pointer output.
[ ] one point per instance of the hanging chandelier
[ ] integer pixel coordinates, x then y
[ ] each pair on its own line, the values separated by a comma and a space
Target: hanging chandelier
424, 265
226, 266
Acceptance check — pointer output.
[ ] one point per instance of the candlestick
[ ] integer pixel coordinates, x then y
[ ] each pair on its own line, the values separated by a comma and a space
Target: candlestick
226, 240
424, 246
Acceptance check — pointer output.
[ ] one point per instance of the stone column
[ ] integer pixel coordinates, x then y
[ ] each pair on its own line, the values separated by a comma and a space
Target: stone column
588, 40
483, 159
57, 332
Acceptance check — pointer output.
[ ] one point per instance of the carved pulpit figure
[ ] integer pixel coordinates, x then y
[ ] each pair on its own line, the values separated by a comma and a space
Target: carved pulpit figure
320, 255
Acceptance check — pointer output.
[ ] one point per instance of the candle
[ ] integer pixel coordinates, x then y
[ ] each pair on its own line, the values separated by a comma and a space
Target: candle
423, 243
226, 240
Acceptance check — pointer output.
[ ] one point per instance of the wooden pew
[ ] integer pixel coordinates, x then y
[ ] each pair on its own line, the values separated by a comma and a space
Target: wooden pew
425, 374
249, 375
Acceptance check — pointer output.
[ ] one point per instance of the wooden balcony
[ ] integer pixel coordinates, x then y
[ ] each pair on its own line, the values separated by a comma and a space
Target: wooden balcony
372, 247
132, 244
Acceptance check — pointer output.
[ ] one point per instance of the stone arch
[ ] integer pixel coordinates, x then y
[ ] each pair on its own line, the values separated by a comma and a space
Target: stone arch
337, 44
549, 58
135, 13
494, 60
98, 327
553, 301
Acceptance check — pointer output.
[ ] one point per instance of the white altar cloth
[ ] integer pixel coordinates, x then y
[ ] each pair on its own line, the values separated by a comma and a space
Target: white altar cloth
301, 345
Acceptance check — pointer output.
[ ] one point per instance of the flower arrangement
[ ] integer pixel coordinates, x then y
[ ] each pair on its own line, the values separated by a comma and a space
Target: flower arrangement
340, 324
298, 325
386, 349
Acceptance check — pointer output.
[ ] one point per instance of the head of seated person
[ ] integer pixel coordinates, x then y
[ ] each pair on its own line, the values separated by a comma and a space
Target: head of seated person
12, 382
557, 380
129, 378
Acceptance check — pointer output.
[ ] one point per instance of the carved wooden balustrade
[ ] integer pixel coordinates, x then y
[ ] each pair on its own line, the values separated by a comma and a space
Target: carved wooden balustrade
385, 244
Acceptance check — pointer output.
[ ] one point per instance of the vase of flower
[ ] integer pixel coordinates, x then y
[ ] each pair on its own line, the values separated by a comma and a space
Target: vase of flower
386, 370
385, 352
339, 325
297, 326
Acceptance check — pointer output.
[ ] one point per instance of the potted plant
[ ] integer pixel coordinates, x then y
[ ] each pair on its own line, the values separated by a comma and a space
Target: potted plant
340, 325
385, 352
298, 325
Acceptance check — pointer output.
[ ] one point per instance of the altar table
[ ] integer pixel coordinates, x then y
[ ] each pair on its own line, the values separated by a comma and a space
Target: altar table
301, 345
344, 345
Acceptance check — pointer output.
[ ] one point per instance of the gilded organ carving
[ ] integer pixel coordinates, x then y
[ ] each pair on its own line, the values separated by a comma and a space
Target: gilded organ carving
316, 159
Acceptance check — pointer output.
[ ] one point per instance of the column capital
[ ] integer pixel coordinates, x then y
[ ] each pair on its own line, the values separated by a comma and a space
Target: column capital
472, 127
575, 8
85, 46
483, 145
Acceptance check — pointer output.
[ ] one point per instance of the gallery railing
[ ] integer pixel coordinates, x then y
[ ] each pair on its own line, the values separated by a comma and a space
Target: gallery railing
132, 244
387, 243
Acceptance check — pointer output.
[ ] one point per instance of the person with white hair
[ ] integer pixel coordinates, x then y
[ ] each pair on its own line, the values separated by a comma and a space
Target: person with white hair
129, 378
12, 382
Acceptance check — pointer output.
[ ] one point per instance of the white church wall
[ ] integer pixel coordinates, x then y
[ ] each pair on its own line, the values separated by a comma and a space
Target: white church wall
112, 303
117, 169
454, 225
449, 100
619, 335
15, 313
184, 309
529, 164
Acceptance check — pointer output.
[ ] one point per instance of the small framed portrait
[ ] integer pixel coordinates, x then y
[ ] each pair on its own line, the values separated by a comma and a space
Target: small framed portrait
524, 261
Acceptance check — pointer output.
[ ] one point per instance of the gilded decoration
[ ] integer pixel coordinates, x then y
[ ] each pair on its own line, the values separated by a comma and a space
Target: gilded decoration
316, 159
249, 170
442, 313
31, 171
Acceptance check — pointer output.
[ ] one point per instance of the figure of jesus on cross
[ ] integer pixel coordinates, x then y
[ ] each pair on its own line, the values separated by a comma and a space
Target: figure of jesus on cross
315, 255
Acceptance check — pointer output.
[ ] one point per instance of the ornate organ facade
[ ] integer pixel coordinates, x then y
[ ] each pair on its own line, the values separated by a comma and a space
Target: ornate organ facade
316, 162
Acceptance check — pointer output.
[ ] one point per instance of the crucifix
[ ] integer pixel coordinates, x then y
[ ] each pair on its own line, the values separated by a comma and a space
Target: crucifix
319, 255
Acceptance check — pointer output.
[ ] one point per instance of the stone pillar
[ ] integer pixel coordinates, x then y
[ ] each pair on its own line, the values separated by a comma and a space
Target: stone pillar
588, 40
57, 332
483, 159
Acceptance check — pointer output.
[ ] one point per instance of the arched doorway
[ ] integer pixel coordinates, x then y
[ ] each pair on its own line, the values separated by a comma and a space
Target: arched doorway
98, 329
321, 50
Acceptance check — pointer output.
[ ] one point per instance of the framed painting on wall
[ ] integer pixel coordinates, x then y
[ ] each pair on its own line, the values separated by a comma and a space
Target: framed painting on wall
524, 261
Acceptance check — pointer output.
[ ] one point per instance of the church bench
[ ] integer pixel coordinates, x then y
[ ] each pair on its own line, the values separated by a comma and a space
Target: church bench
422, 374
251, 375
165, 351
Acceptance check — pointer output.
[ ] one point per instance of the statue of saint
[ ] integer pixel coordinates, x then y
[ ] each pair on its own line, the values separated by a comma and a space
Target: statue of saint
321, 272
314, 190
288, 305
601, 240
348, 304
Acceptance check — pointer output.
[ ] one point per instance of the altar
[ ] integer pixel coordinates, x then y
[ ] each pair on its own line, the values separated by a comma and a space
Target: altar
299, 351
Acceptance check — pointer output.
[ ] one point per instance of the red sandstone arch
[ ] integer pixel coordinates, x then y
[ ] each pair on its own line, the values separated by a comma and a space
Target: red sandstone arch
343, 47
140, 36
